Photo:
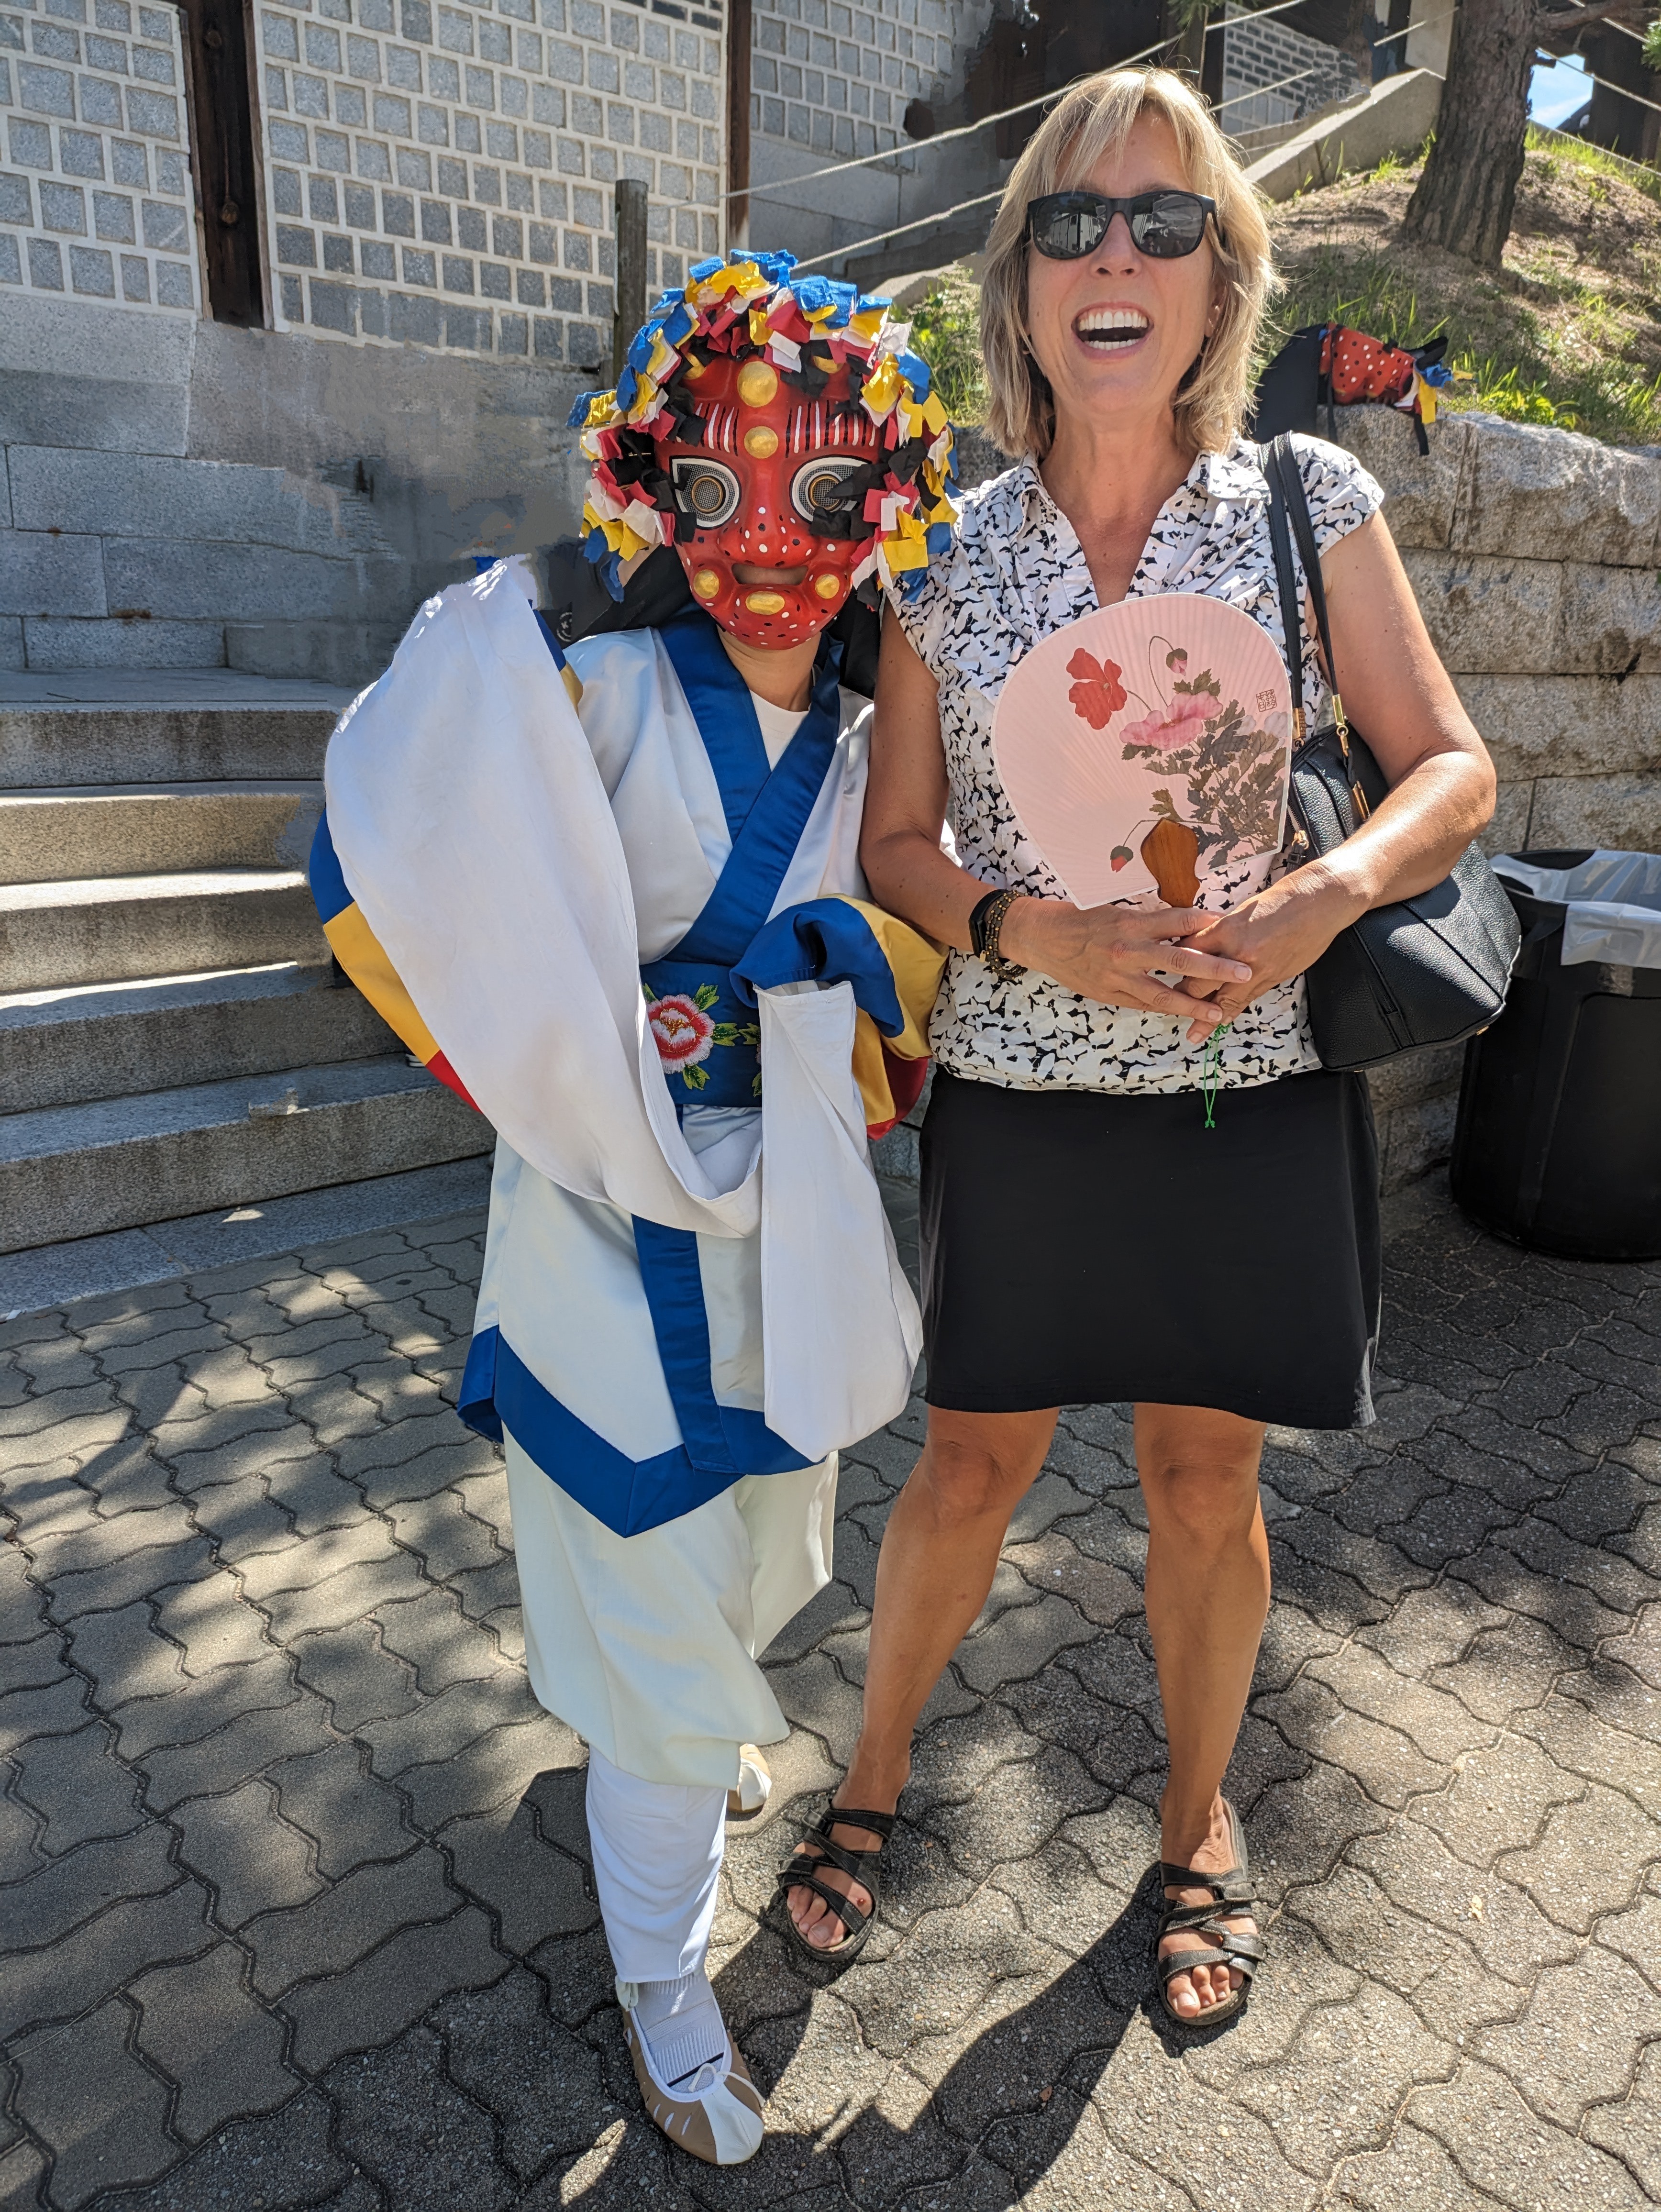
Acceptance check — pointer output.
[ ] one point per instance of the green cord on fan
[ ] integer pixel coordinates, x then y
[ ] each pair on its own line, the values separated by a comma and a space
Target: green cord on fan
1211, 1072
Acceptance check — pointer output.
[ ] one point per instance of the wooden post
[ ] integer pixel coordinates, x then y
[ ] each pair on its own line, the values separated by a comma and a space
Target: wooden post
223, 158
631, 268
736, 228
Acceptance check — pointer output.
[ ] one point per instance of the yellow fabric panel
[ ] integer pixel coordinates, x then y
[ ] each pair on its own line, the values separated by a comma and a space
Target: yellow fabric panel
917, 964
870, 1073
573, 682
358, 950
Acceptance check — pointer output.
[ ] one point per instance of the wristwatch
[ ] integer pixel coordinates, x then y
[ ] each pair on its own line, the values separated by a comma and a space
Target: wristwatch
984, 925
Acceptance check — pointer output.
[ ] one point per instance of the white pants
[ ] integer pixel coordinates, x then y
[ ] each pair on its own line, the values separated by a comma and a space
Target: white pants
657, 1849
647, 1645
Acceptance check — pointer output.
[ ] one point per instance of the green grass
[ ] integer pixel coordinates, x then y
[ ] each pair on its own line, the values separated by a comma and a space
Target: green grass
1594, 160
1550, 341
946, 330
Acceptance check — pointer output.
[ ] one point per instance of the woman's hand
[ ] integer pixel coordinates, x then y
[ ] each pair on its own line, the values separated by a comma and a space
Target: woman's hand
1116, 955
1279, 933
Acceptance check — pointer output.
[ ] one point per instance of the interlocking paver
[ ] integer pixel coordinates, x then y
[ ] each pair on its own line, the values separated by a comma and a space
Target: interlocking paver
72, 1972
375, 2000
99, 2110
250, 1487
77, 1786
199, 2026
348, 1920
248, 1854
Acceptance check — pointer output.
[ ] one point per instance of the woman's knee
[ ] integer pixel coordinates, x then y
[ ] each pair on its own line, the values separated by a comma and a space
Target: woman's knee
970, 1469
1206, 1502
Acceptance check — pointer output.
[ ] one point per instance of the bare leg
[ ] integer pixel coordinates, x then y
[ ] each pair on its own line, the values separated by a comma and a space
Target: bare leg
1207, 1597
940, 1552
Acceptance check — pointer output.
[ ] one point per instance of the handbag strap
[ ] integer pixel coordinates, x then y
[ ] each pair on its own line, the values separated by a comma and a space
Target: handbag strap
1285, 478
1292, 612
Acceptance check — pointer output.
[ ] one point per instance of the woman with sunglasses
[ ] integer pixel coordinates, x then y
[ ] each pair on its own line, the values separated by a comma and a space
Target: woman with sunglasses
1087, 1239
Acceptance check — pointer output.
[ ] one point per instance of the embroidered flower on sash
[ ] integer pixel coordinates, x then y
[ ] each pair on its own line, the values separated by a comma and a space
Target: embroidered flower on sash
685, 1036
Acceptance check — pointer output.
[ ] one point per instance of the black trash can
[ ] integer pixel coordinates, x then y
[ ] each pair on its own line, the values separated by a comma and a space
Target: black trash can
1558, 1144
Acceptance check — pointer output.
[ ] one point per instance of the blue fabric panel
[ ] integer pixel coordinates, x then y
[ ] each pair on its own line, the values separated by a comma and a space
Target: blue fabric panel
764, 848
730, 1073
669, 1276
329, 893
477, 1402
723, 710
717, 1438
822, 941
630, 1496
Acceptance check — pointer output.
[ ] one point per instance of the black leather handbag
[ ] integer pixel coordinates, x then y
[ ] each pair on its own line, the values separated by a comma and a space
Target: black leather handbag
1429, 969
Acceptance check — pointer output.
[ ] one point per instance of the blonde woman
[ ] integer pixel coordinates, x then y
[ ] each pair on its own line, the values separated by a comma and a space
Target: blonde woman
1086, 1238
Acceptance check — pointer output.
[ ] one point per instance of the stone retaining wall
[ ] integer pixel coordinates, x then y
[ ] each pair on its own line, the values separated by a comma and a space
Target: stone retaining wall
1535, 555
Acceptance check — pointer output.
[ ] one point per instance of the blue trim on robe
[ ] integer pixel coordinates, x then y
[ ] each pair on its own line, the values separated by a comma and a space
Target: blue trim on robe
717, 1438
329, 893
765, 843
724, 712
628, 1495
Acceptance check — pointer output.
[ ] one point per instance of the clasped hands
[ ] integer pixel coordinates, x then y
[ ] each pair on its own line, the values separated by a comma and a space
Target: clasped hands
1119, 955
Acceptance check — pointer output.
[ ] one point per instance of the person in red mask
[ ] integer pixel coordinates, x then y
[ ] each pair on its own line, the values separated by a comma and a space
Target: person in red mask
612, 894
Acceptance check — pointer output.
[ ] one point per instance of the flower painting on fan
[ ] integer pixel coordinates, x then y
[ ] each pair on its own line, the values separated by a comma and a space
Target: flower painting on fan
1147, 749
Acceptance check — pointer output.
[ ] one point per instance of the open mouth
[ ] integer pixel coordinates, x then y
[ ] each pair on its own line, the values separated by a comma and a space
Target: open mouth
770, 580
1109, 329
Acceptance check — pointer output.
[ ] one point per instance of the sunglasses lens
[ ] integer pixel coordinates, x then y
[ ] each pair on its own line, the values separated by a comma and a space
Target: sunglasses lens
1173, 226
1065, 232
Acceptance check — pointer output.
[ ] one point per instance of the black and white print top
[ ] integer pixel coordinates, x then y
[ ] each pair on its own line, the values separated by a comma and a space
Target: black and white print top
1016, 573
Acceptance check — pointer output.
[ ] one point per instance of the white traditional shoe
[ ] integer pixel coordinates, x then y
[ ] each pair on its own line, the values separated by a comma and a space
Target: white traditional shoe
755, 1783
714, 2113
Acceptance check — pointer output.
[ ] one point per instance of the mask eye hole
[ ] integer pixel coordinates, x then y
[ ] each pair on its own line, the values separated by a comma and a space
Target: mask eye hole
705, 490
823, 488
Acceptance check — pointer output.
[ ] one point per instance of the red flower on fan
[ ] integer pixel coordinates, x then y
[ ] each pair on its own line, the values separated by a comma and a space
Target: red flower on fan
1097, 693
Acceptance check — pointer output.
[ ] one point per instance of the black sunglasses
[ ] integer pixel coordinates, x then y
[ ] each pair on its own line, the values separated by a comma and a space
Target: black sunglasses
1166, 225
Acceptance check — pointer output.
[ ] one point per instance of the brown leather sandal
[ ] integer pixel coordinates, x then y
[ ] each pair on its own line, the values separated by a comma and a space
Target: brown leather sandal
1226, 1947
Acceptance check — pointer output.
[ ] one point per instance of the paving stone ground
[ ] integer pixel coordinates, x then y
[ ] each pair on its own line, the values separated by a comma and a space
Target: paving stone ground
294, 1899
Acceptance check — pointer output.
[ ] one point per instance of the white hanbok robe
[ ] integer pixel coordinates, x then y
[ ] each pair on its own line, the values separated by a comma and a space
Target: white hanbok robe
670, 1358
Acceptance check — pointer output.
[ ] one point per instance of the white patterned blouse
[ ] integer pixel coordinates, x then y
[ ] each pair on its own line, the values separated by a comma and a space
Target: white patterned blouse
1016, 573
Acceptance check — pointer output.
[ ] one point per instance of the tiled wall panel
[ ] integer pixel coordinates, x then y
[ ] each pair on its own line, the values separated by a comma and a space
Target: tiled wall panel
95, 192
443, 173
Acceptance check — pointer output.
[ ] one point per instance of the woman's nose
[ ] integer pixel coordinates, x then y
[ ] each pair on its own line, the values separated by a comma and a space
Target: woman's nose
1118, 248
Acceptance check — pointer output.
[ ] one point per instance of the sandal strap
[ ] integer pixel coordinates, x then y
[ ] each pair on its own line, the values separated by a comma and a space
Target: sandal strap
831, 1853
1182, 1962
1237, 1943
852, 1917
1236, 1887
847, 1816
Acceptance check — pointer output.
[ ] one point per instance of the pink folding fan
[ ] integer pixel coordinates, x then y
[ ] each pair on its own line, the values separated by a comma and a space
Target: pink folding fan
1147, 749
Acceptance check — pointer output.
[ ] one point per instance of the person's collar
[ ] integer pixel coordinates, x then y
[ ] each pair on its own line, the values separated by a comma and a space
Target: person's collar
1234, 476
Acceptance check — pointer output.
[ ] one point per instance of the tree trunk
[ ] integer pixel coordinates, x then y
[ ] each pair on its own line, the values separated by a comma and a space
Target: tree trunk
1463, 200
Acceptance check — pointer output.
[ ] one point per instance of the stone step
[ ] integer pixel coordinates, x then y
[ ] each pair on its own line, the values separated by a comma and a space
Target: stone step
119, 830
84, 1170
92, 726
62, 1047
109, 928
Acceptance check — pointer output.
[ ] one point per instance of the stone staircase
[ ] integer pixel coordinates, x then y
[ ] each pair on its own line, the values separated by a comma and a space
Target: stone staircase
172, 1038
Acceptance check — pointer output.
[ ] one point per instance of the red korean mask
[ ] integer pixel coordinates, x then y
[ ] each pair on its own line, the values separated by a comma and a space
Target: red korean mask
772, 462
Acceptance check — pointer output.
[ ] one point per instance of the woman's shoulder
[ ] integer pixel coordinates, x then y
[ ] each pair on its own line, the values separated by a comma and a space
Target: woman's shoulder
1341, 493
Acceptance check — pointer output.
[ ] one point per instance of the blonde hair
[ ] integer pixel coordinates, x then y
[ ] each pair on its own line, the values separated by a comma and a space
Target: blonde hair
1093, 119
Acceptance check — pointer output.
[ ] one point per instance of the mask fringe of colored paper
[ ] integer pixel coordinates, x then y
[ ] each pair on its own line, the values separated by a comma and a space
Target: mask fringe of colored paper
808, 327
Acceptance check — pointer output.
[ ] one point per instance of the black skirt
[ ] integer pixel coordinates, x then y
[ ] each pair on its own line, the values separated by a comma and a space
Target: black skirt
1086, 1248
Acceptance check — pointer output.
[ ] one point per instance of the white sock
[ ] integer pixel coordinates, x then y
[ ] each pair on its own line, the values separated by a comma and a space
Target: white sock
682, 2025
